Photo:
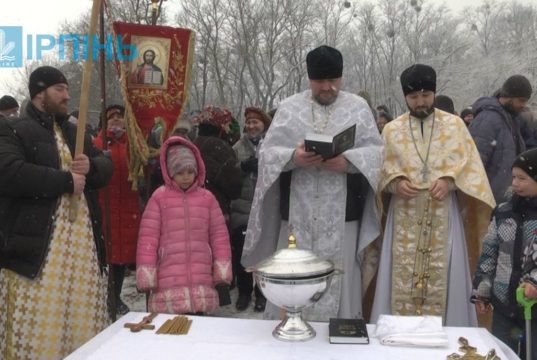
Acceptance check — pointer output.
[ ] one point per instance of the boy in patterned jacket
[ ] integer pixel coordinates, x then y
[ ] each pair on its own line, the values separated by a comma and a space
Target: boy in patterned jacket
509, 256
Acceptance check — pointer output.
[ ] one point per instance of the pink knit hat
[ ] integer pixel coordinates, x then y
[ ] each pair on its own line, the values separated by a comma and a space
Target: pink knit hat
180, 157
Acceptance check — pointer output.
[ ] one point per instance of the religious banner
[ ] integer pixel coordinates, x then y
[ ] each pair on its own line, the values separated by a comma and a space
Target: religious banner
154, 83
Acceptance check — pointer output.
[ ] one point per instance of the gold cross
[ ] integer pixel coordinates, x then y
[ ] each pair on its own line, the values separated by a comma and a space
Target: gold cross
470, 352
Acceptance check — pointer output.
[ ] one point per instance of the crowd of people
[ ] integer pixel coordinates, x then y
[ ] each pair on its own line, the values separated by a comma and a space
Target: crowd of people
428, 213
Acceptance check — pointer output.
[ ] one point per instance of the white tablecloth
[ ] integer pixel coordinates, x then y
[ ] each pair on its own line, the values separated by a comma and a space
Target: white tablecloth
236, 339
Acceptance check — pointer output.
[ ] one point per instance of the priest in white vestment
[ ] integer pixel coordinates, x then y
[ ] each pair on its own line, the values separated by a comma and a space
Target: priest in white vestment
433, 171
327, 204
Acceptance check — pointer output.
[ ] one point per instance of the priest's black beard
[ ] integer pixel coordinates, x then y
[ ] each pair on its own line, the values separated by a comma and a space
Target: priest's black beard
510, 109
50, 107
422, 114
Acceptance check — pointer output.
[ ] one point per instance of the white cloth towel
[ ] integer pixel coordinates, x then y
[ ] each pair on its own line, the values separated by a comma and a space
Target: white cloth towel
419, 331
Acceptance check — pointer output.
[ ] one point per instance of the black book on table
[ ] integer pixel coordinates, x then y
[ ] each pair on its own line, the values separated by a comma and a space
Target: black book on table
329, 146
347, 331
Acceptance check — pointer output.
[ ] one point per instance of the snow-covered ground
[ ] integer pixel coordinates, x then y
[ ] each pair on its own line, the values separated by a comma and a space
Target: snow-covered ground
136, 301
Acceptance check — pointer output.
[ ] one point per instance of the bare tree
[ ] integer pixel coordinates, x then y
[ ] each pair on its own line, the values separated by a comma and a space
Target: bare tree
251, 52
137, 11
260, 37
483, 21
298, 35
207, 19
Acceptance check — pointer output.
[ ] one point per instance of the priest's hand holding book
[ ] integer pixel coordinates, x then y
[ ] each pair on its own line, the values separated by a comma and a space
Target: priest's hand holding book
337, 163
303, 158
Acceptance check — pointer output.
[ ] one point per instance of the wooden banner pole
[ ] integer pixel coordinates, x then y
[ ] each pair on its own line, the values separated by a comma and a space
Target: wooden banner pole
84, 98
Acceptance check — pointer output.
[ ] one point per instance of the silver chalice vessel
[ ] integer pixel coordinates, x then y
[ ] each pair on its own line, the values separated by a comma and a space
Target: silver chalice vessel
294, 279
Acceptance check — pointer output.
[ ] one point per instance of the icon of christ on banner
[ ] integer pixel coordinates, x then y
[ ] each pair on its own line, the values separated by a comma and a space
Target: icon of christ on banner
150, 66
147, 72
155, 83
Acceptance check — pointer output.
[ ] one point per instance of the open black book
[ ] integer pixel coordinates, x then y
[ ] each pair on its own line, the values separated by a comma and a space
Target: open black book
347, 331
329, 146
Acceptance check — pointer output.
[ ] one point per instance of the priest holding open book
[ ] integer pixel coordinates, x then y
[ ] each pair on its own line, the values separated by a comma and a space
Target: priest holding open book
328, 203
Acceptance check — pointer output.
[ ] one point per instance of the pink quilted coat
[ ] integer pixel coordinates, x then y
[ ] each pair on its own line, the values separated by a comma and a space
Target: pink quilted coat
183, 244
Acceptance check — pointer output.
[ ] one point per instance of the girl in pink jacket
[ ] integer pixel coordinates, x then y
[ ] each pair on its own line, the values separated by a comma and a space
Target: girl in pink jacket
183, 245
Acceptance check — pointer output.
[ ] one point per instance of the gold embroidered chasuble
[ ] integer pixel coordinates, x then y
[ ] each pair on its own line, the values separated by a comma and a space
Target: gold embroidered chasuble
420, 249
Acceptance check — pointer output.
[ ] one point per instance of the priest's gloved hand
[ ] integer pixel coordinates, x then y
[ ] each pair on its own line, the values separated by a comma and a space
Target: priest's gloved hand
249, 165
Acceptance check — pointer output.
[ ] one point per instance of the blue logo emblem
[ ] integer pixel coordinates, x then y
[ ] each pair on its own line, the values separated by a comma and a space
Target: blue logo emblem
10, 46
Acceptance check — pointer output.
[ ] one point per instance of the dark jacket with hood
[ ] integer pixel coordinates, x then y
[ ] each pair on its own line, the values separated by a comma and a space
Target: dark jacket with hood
498, 140
32, 183
245, 149
223, 171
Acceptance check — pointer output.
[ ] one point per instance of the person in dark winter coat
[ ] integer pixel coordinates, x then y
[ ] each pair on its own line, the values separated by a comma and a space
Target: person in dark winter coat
256, 125
383, 108
445, 103
8, 106
382, 119
509, 256
51, 253
223, 172
496, 131
467, 115
123, 204
528, 128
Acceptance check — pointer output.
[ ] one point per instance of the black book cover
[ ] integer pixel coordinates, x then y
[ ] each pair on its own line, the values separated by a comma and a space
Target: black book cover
347, 331
329, 146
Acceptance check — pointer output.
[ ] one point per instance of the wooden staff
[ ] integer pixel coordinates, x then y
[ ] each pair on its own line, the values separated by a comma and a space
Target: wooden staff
112, 301
84, 98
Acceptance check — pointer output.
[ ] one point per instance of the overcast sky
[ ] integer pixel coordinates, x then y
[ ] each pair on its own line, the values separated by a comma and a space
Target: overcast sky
39, 16
44, 17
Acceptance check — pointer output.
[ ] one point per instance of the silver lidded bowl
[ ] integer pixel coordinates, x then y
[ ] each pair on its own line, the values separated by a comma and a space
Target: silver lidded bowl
293, 279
